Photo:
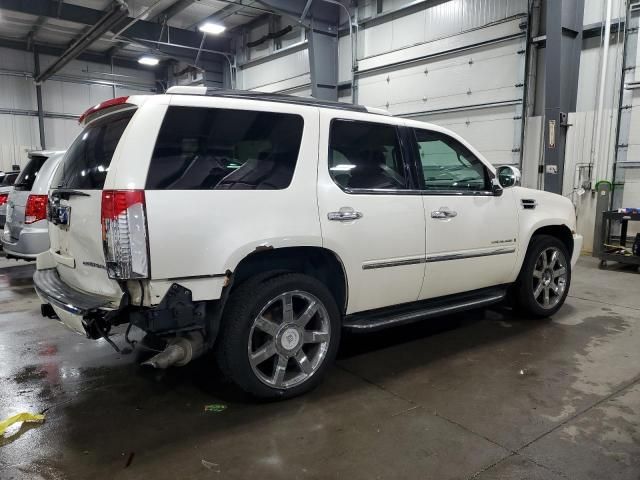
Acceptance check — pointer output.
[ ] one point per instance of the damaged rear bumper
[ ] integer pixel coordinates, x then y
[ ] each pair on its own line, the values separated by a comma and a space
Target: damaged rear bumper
51, 289
94, 315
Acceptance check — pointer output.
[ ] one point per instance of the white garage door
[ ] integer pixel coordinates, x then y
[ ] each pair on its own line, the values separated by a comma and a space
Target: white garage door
475, 90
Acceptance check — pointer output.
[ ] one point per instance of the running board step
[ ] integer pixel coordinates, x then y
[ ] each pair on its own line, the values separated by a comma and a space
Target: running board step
373, 320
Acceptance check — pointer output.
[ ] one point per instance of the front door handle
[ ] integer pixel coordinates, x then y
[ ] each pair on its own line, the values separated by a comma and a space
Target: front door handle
443, 213
345, 214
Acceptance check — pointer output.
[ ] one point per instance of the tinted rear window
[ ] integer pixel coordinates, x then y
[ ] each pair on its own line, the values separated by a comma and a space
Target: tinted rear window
220, 149
87, 162
28, 175
8, 179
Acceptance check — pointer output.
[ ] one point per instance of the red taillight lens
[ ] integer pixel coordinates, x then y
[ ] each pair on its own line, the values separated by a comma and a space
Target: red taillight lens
3, 198
124, 234
36, 208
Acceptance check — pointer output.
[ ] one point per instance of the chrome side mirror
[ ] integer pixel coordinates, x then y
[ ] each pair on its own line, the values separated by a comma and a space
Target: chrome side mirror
508, 176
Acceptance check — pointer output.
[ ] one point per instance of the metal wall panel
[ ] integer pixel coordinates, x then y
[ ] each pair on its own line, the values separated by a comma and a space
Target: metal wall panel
60, 132
484, 85
344, 59
632, 153
289, 66
483, 75
18, 134
439, 20
490, 130
74, 89
17, 92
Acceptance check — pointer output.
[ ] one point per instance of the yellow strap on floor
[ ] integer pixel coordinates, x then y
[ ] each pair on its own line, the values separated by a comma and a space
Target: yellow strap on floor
21, 417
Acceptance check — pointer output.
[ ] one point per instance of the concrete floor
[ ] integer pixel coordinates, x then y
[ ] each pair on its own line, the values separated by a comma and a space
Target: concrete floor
482, 395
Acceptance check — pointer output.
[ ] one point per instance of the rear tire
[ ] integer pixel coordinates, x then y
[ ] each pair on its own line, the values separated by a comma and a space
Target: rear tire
279, 335
543, 283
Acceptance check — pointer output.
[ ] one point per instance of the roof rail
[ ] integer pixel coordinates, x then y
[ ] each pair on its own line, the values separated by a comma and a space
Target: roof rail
273, 97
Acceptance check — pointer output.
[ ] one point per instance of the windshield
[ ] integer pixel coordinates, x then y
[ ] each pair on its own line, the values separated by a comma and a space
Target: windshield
87, 162
28, 175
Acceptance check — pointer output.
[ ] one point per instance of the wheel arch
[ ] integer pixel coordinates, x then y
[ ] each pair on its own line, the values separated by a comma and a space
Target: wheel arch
557, 229
318, 262
561, 232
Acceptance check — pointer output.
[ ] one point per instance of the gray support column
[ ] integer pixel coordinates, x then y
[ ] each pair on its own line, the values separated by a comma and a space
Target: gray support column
36, 62
212, 74
625, 107
562, 56
322, 18
323, 60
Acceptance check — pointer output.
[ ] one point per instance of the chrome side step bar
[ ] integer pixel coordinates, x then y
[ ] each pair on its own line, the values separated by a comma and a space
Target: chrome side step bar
373, 320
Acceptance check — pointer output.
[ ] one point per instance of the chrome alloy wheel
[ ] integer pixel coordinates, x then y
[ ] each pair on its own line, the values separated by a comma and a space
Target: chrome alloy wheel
549, 277
289, 339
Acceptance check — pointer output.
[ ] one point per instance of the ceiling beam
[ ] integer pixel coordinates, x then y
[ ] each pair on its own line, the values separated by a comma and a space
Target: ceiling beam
57, 51
173, 10
85, 40
235, 6
142, 29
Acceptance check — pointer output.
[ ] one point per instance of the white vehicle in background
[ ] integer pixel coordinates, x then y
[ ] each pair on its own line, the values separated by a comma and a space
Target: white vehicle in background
261, 226
26, 231
7, 179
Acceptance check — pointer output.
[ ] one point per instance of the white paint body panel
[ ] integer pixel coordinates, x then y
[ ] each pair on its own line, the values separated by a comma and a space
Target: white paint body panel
483, 226
391, 229
196, 236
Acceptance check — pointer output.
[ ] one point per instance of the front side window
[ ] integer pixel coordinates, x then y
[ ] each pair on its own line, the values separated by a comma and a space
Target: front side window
448, 165
222, 149
87, 161
365, 155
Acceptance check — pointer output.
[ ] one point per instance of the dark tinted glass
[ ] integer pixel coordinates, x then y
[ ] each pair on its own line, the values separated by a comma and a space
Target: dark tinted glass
8, 179
449, 165
219, 149
365, 155
28, 175
87, 162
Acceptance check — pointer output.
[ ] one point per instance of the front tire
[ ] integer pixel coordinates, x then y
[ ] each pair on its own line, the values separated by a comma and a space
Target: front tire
543, 283
279, 336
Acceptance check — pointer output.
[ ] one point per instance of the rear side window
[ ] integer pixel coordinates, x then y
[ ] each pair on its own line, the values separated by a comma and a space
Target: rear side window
87, 162
221, 149
27, 176
365, 155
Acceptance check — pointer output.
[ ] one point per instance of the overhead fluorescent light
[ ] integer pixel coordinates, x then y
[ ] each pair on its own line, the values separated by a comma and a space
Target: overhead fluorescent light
151, 61
213, 28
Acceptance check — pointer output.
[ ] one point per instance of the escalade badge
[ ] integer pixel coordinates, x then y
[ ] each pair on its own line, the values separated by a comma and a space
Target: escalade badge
95, 265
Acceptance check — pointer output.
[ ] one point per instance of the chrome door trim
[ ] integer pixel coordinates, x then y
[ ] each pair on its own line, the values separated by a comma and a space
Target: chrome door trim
393, 263
460, 256
434, 258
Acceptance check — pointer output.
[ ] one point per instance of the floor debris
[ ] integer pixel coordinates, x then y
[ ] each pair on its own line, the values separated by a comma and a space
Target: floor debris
20, 417
210, 466
129, 459
215, 407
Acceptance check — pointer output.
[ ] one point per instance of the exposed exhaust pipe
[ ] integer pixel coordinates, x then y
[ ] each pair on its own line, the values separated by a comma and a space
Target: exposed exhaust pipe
178, 352
113, 17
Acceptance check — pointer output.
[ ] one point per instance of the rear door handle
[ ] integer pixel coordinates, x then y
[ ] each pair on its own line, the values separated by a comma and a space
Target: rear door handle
443, 213
345, 214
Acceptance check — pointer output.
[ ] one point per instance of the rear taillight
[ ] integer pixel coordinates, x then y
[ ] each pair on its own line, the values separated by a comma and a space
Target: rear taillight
36, 208
124, 234
3, 198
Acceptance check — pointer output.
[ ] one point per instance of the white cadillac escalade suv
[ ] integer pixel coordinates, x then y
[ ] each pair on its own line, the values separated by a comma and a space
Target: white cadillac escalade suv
261, 226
